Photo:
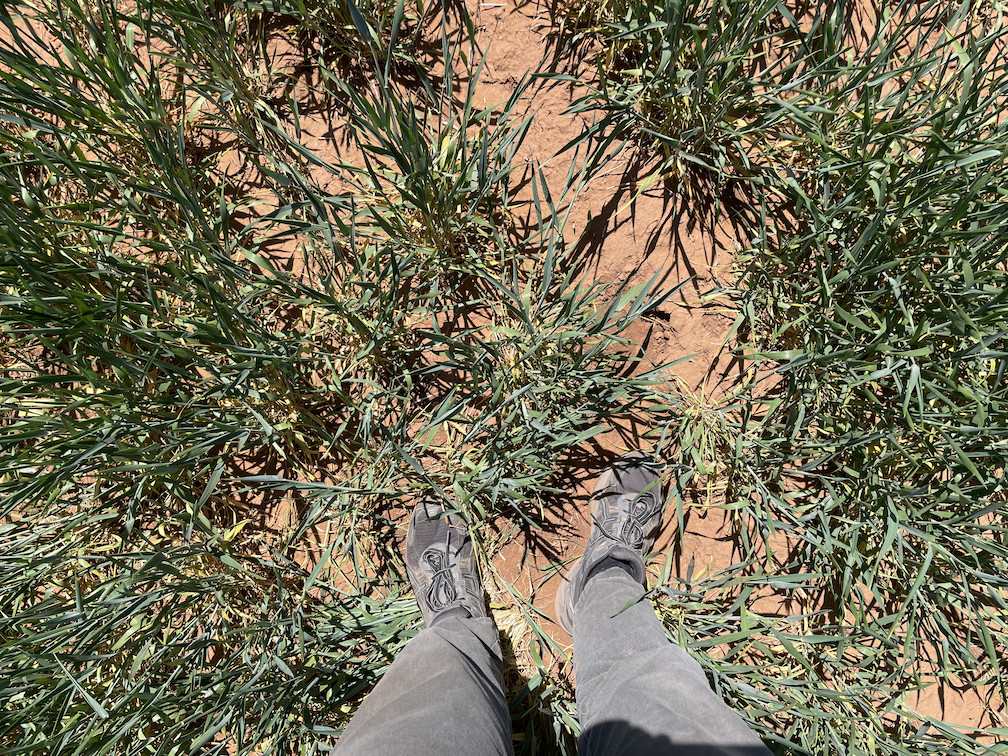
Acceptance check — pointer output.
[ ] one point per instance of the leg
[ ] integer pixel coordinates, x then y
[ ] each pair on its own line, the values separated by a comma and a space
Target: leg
443, 694
638, 693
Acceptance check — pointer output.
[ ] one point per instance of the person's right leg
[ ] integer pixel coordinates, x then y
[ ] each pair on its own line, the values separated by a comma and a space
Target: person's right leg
637, 693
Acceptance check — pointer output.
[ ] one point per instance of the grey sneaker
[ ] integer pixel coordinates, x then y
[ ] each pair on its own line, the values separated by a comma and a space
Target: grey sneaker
626, 510
441, 564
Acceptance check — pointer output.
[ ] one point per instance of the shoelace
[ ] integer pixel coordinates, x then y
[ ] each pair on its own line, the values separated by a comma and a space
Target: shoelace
441, 592
641, 509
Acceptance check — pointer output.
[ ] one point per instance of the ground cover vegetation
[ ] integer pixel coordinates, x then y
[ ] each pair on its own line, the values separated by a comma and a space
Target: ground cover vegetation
200, 339
864, 455
231, 358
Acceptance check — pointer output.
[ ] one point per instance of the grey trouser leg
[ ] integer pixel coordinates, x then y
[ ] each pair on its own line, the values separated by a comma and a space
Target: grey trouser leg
443, 694
639, 694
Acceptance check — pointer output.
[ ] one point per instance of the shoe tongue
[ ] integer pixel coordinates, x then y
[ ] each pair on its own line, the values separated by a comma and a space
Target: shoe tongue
632, 558
458, 611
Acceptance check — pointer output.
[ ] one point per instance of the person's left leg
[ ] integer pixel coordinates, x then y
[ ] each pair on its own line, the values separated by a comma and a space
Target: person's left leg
443, 694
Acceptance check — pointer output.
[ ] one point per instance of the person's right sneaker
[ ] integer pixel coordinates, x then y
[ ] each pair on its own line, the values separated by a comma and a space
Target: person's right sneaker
626, 510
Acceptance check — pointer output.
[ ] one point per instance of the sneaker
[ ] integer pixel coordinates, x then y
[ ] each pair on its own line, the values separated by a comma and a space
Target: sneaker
441, 564
626, 510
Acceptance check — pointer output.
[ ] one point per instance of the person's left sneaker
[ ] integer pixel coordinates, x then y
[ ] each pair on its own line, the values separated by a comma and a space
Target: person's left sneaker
441, 564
